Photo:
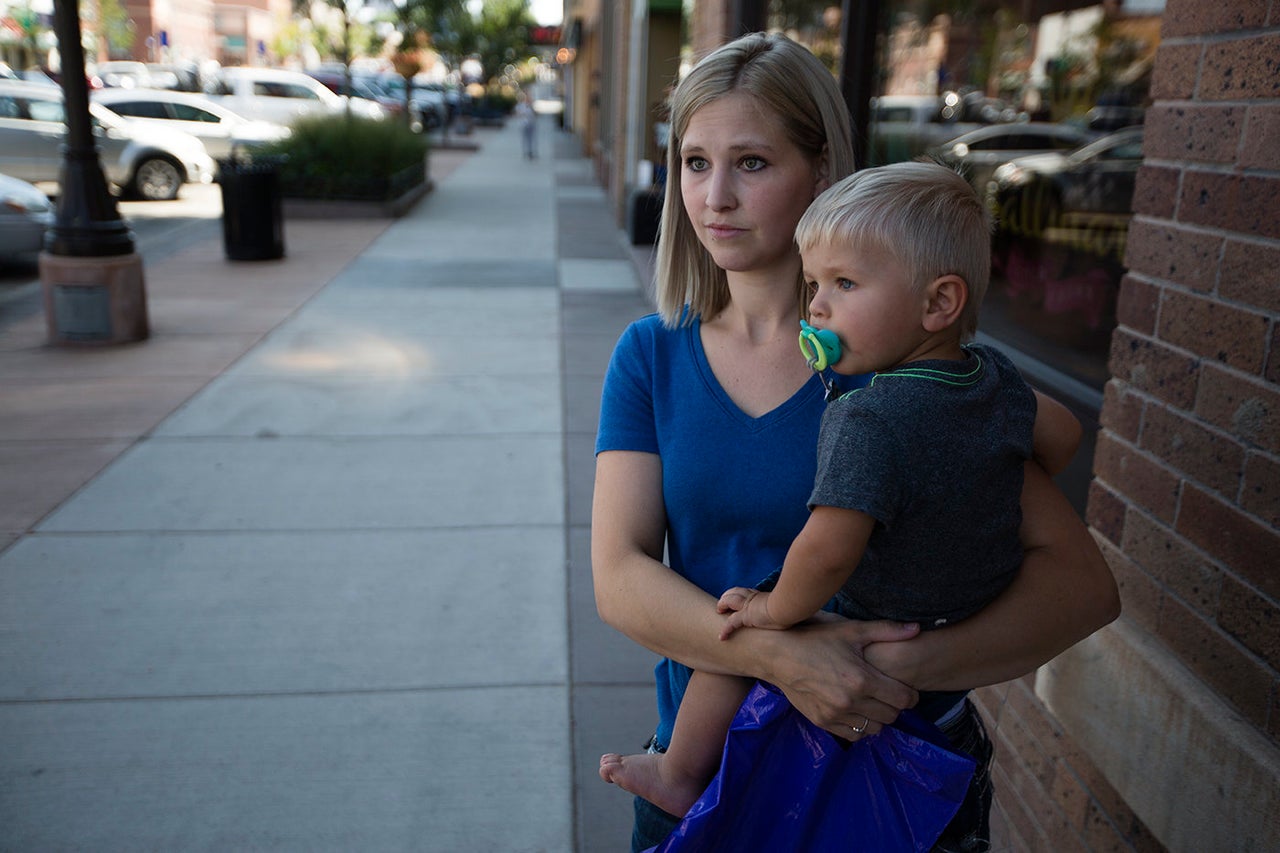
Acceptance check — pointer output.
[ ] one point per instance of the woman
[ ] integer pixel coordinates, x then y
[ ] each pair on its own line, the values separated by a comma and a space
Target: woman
706, 445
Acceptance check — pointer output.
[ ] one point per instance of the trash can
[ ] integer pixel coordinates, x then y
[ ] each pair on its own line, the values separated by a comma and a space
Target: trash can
252, 208
643, 216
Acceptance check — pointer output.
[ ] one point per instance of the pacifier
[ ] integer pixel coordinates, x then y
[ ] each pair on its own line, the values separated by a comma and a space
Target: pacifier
821, 347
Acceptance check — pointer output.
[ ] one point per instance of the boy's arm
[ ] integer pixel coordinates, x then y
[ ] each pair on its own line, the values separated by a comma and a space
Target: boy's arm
818, 563
1055, 436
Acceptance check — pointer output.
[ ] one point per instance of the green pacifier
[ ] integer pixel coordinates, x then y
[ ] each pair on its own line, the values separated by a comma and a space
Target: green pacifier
821, 347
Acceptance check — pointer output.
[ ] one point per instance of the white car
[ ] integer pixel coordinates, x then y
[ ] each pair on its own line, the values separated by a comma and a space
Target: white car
25, 214
124, 74
151, 163
217, 127
281, 96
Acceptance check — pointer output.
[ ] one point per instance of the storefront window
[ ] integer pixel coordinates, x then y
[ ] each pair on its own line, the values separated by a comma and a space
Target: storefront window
1040, 105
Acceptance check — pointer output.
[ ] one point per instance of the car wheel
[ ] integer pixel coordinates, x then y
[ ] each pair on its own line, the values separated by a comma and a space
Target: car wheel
156, 179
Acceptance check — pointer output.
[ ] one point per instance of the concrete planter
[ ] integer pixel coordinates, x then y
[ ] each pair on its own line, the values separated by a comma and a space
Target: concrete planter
394, 196
324, 208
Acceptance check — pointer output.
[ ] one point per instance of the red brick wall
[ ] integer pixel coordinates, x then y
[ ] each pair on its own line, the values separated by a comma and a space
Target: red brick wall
1186, 496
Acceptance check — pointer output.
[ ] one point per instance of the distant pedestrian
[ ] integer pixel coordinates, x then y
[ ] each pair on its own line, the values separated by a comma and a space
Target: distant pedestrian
528, 125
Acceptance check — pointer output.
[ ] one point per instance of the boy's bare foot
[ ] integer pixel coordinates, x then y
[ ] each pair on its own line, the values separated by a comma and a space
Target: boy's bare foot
642, 775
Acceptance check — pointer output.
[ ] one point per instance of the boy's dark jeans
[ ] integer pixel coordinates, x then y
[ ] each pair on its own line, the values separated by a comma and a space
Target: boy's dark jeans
968, 832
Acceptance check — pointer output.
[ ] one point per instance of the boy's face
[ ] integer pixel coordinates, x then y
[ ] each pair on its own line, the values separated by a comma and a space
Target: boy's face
866, 297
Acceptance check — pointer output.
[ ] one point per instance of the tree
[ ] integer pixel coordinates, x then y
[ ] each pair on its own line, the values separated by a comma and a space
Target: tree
423, 23
503, 35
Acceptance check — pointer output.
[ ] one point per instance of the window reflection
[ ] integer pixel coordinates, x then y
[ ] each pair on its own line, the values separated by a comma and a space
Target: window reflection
1040, 104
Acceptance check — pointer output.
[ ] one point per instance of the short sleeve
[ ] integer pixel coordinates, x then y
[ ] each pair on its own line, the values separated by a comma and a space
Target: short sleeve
627, 420
858, 462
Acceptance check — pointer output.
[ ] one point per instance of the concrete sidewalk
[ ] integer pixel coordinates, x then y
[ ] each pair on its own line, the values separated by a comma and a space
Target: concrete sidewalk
307, 569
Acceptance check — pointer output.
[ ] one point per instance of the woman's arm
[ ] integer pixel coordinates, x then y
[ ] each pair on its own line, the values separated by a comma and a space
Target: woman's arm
1062, 594
818, 666
1056, 435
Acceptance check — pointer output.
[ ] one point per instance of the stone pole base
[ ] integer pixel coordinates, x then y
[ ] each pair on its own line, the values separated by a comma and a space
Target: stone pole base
94, 301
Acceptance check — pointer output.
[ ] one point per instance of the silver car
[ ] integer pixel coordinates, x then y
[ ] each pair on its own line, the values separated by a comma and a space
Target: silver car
145, 162
25, 214
217, 127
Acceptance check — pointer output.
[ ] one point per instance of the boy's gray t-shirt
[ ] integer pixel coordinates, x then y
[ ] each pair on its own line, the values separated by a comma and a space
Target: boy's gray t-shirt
934, 452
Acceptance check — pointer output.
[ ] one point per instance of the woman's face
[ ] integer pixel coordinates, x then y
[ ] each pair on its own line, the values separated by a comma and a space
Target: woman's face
744, 184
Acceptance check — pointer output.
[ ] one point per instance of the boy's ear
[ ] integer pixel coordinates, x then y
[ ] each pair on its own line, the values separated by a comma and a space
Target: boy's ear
945, 298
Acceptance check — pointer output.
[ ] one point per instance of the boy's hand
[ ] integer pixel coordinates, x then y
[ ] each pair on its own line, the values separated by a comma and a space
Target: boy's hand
747, 608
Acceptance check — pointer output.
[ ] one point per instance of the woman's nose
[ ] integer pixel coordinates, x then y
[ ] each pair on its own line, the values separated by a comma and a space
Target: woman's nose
720, 193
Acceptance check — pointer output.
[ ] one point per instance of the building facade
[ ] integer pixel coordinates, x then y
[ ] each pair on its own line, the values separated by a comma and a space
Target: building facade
1160, 731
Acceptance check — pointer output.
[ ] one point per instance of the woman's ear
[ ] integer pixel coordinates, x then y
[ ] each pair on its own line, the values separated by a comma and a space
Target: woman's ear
821, 173
945, 299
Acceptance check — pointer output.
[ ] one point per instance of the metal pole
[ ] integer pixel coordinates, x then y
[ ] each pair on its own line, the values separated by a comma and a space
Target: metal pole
87, 224
859, 24
752, 16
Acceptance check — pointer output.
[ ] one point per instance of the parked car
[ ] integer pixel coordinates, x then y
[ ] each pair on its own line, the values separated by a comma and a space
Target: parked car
148, 162
455, 100
183, 76
217, 127
124, 74
25, 214
430, 104
370, 89
905, 126
976, 154
281, 96
1085, 196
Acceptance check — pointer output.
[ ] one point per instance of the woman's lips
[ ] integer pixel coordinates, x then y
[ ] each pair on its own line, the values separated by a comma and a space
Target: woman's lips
723, 232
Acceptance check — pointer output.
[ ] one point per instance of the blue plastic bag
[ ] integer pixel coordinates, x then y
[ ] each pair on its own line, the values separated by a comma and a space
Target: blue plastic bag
786, 785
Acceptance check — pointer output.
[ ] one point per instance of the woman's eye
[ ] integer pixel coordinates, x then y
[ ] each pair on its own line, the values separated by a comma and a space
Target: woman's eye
695, 164
752, 164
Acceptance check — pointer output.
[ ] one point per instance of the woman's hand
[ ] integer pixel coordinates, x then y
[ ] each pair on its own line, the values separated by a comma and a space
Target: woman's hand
820, 667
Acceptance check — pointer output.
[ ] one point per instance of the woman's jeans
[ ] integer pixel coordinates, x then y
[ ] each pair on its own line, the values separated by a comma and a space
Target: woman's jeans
968, 832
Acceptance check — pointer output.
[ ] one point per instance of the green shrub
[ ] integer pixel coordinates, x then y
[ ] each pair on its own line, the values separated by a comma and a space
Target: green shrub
349, 157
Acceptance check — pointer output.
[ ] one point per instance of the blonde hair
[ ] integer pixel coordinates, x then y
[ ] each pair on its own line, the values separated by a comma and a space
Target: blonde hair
792, 83
923, 214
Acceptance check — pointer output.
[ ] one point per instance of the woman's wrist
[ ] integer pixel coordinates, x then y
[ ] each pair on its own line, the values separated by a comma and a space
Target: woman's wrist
896, 660
759, 653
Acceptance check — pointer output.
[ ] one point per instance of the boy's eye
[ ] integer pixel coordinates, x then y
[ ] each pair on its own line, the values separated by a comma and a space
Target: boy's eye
844, 284
752, 164
811, 287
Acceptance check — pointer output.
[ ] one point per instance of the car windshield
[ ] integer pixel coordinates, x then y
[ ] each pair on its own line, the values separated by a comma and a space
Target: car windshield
1128, 147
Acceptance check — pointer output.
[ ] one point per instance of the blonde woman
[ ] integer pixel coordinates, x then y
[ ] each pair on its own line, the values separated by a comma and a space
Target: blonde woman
705, 451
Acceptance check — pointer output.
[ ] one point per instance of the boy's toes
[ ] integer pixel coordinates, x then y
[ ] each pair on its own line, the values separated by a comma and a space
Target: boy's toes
609, 762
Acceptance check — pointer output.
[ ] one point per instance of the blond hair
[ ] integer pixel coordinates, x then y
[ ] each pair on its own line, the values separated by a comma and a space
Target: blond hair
786, 79
923, 214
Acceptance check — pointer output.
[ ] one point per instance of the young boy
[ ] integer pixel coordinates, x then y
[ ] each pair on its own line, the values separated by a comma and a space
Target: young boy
915, 509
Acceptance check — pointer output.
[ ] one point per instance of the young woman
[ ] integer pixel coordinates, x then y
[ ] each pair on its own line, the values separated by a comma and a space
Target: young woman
708, 422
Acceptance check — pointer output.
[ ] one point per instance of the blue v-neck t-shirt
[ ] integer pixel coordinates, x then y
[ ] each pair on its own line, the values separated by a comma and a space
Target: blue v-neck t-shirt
735, 487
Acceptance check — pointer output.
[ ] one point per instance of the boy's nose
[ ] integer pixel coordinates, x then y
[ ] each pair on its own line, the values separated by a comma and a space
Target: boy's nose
817, 305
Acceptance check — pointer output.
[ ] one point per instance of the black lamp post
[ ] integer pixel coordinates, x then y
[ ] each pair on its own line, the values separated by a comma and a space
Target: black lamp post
858, 26
91, 274
88, 224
